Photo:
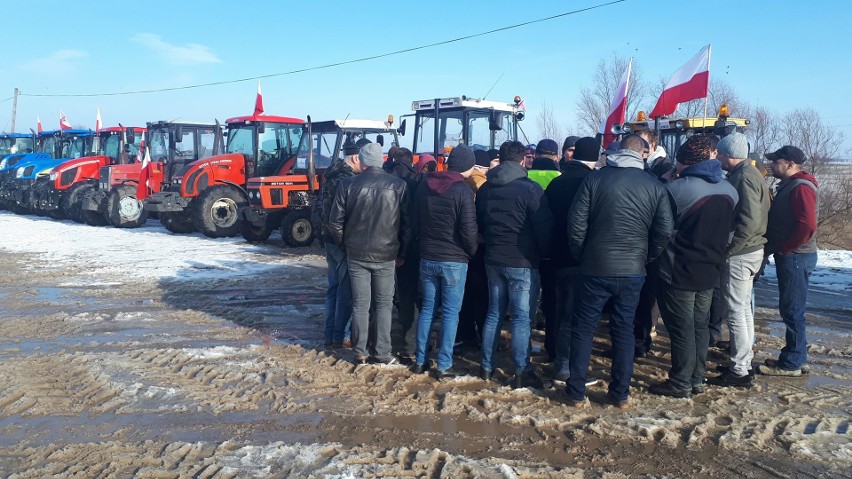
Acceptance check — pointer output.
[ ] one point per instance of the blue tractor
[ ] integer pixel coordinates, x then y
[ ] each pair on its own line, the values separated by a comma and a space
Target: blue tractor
16, 143
65, 145
10, 161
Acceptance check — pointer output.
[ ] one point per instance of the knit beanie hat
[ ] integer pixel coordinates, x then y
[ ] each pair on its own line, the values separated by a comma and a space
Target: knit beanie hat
587, 149
482, 158
371, 154
696, 149
734, 145
569, 142
349, 148
461, 159
362, 142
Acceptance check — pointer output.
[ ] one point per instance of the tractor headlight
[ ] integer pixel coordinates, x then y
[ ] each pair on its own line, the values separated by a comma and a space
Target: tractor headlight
54, 175
19, 173
3, 163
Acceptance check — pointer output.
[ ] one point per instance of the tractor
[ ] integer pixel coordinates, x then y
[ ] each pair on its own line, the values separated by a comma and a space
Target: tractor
284, 202
69, 144
8, 164
211, 191
60, 193
443, 123
172, 146
12, 143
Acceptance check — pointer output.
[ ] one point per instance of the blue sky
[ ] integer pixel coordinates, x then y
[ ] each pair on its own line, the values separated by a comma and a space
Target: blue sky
779, 54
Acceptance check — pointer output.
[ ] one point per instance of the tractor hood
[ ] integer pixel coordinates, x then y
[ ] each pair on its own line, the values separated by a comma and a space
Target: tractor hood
32, 169
13, 161
198, 175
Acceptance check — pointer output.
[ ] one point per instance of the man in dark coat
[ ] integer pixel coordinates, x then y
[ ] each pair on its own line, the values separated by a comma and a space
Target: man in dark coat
444, 222
620, 221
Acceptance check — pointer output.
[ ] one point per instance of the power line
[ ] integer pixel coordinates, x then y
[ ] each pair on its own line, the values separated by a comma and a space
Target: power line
6, 99
331, 65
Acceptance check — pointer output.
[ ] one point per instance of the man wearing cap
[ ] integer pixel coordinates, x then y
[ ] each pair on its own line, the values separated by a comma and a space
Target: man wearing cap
369, 218
620, 220
567, 151
545, 166
560, 193
690, 267
744, 255
791, 238
516, 222
338, 297
444, 224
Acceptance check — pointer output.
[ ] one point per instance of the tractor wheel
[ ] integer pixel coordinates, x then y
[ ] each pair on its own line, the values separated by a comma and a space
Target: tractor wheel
124, 210
71, 202
297, 229
215, 212
255, 234
56, 214
18, 209
177, 222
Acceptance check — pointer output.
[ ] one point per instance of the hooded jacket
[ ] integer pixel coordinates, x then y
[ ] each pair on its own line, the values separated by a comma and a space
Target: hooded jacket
514, 218
752, 213
658, 163
444, 220
560, 193
793, 216
338, 171
703, 205
370, 217
620, 218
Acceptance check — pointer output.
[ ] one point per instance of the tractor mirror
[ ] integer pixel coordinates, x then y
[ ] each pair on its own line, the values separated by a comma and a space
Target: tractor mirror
179, 134
261, 127
494, 121
380, 139
131, 135
401, 129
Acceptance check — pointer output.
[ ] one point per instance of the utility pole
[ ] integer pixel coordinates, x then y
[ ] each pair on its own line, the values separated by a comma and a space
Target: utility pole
14, 108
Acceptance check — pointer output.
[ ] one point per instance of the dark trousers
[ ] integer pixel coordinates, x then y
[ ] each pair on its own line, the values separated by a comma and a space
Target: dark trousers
647, 312
475, 302
548, 307
408, 304
718, 312
685, 314
592, 294
794, 272
567, 280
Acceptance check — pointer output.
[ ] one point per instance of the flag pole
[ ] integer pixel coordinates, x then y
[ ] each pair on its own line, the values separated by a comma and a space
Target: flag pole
709, 54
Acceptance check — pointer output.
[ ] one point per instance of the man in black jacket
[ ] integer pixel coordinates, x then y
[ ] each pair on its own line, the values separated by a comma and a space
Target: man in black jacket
560, 193
444, 221
516, 222
370, 219
620, 221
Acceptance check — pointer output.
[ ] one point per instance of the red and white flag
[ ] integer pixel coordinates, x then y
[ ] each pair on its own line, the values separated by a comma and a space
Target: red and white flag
258, 102
618, 107
38, 124
98, 121
139, 157
142, 187
63, 122
690, 82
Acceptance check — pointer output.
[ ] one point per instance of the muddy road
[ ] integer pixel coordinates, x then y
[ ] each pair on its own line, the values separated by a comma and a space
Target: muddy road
144, 354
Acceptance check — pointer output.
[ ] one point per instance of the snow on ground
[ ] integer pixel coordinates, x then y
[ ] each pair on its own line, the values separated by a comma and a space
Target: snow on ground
148, 253
833, 271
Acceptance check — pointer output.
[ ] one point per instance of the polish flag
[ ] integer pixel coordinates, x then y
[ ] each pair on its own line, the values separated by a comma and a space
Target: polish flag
63, 122
618, 108
98, 121
690, 82
258, 103
139, 157
38, 124
142, 187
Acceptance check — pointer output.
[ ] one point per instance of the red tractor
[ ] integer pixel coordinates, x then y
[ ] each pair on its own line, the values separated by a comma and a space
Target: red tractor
211, 191
172, 146
60, 193
284, 202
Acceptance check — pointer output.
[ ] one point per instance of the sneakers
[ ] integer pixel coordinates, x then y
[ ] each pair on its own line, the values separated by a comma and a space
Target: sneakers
386, 361
727, 369
360, 360
776, 371
773, 363
404, 359
484, 375
449, 373
670, 390
527, 379
732, 379
697, 389
421, 368
618, 403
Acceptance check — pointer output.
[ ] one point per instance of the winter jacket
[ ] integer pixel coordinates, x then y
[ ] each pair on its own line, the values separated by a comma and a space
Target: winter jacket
752, 213
412, 178
560, 193
370, 218
620, 219
476, 179
543, 171
703, 204
658, 163
444, 220
320, 212
514, 218
793, 216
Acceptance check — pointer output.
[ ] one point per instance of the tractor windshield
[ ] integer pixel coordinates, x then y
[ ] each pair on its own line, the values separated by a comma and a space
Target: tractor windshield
75, 147
158, 144
110, 146
48, 145
9, 146
276, 144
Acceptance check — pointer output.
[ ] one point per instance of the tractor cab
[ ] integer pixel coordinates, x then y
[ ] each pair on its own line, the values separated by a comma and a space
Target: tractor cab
443, 123
12, 143
269, 144
329, 137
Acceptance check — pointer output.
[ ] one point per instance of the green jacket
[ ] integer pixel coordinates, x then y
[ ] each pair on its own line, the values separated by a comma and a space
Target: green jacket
752, 211
542, 177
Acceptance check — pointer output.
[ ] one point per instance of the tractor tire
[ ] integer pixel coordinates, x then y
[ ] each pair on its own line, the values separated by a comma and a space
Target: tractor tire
177, 222
255, 234
215, 211
56, 214
296, 228
94, 218
124, 210
71, 202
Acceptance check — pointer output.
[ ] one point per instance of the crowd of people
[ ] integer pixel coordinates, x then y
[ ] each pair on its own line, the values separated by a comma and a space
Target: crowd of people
579, 233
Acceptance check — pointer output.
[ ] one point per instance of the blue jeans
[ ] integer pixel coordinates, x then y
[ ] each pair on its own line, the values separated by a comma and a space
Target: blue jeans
515, 289
592, 294
793, 273
338, 297
442, 283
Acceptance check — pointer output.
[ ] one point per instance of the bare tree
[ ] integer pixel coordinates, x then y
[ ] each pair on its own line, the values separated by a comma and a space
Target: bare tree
594, 102
763, 131
548, 126
804, 128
